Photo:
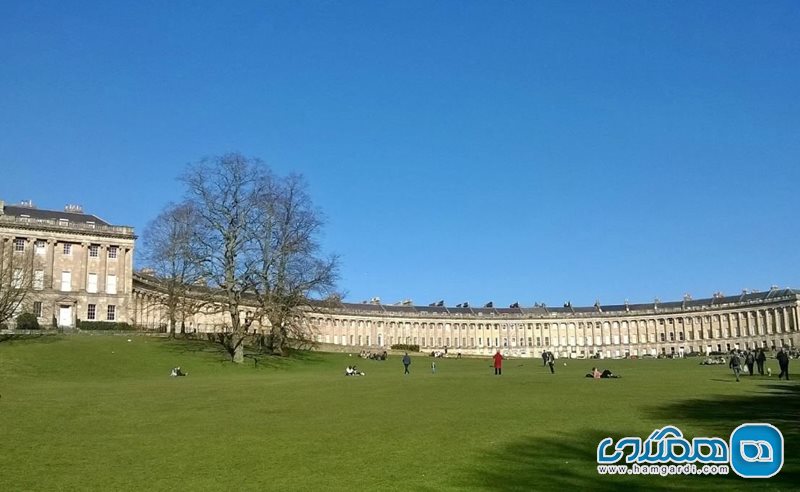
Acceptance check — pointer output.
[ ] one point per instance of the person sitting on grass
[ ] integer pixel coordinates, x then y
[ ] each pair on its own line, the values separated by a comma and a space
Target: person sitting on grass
176, 371
594, 374
352, 371
606, 374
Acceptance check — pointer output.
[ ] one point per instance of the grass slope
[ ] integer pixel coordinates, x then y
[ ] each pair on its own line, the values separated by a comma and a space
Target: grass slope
99, 412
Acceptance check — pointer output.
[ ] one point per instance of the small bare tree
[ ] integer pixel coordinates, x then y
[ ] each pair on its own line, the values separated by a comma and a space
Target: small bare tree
17, 278
168, 250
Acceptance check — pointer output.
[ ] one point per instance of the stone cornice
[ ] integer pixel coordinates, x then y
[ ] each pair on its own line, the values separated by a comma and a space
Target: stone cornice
121, 232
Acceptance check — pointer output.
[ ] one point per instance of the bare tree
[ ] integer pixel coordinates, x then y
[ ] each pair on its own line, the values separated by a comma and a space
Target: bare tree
168, 250
18, 278
291, 270
223, 192
254, 242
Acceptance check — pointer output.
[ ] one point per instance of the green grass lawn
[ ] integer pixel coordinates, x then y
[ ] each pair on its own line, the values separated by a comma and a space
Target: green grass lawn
100, 412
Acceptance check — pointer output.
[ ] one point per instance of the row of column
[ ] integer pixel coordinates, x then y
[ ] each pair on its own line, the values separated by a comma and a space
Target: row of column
698, 329
359, 331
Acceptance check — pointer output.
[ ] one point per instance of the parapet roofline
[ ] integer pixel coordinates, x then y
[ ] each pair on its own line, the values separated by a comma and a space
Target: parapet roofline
616, 308
35, 213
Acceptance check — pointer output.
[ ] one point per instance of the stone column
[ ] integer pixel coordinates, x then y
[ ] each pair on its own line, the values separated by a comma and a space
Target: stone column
784, 320
126, 274
83, 269
50, 260
103, 268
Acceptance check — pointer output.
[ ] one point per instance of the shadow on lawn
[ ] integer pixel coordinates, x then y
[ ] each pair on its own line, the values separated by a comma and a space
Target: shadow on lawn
269, 361
191, 346
772, 403
182, 346
561, 462
45, 337
568, 460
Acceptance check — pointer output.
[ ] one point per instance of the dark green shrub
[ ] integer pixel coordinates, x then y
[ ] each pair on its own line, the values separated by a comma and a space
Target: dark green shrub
104, 325
27, 321
405, 347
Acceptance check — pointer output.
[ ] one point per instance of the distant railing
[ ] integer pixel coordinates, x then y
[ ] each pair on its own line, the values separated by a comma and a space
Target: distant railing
81, 226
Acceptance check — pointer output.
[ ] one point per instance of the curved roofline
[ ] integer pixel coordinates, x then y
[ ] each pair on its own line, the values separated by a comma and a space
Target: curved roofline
684, 306
687, 305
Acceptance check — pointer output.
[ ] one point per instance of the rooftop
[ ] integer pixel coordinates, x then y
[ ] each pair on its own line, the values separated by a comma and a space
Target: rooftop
26, 214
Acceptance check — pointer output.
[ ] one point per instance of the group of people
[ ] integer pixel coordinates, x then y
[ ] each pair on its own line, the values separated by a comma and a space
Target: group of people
745, 360
713, 361
443, 353
738, 359
176, 371
752, 358
353, 371
373, 356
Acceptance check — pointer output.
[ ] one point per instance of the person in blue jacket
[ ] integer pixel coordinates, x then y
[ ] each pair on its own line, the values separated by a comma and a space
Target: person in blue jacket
406, 363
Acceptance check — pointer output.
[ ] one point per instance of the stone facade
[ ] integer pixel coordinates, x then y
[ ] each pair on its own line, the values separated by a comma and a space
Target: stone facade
717, 324
82, 267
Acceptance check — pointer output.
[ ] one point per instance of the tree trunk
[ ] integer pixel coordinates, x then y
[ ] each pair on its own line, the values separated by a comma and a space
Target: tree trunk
277, 341
238, 355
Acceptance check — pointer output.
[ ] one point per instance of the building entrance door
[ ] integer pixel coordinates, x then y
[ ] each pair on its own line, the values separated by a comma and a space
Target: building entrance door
65, 316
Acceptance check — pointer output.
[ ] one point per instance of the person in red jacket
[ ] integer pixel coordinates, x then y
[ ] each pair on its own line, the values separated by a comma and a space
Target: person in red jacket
498, 363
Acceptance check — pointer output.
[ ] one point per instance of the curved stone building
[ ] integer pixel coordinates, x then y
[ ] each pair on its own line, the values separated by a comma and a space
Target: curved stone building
718, 324
81, 267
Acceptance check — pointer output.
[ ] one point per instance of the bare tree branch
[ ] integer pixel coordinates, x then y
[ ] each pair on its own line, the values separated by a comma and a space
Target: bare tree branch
18, 282
171, 256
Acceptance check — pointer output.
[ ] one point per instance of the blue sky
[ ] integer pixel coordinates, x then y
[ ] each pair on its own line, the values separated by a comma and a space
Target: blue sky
465, 151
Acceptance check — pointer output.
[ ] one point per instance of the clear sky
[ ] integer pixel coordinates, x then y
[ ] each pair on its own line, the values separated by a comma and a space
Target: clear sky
466, 151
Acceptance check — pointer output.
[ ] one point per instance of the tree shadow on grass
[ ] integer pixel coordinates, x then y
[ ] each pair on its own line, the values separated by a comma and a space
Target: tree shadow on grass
772, 403
45, 337
568, 460
190, 346
561, 462
182, 346
271, 361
